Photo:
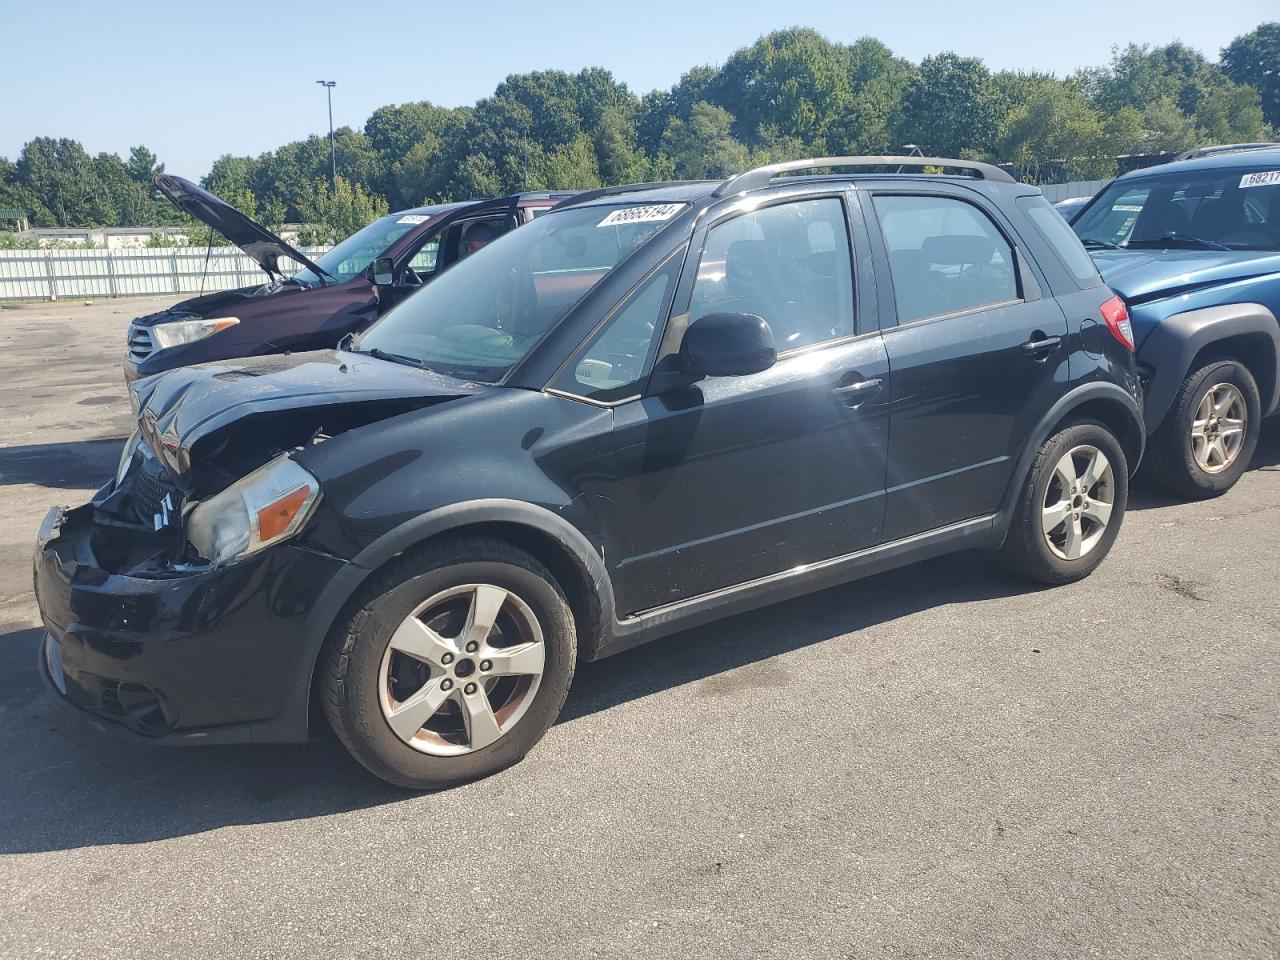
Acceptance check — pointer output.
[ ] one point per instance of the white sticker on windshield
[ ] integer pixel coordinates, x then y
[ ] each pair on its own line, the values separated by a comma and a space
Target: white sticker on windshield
646, 214
1264, 178
413, 218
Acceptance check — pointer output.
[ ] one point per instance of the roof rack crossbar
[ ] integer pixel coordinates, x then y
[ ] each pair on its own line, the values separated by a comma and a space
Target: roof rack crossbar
589, 195
1220, 148
762, 176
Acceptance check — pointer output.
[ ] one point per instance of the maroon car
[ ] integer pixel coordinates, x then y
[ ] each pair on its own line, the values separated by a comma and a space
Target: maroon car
336, 294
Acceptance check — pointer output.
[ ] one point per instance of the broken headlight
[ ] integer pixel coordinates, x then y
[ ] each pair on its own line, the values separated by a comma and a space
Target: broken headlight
187, 331
267, 506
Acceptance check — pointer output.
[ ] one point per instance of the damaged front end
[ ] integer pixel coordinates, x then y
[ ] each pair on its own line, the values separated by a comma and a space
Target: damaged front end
210, 471
175, 603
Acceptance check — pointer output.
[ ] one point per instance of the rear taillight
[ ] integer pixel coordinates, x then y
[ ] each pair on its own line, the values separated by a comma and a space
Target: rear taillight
1117, 316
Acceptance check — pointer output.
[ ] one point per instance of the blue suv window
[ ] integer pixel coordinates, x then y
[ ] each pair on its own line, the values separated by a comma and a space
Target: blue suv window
1237, 209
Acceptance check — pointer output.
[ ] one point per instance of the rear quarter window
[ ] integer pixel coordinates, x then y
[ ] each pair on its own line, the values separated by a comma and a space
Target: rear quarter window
1062, 239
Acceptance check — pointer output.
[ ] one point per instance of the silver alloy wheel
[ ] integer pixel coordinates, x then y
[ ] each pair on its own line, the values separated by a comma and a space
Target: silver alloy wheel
449, 693
1217, 433
1078, 502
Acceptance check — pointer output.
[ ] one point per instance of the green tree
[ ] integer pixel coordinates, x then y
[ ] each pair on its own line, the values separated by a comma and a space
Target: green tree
332, 214
143, 165
1050, 120
788, 85
411, 141
703, 146
878, 81
1255, 59
952, 107
59, 175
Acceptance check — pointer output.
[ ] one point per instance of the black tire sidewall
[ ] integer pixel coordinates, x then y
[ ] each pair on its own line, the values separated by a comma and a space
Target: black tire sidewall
370, 737
1041, 562
1222, 371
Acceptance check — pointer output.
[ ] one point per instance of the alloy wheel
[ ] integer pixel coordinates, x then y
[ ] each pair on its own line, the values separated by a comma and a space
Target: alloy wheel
1078, 502
1218, 431
461, 670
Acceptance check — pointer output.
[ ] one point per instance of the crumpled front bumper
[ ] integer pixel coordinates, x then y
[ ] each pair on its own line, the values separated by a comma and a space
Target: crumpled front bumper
193, 656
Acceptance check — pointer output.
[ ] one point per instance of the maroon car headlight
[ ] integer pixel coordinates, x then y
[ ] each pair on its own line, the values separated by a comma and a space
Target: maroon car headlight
269, 505
188, 331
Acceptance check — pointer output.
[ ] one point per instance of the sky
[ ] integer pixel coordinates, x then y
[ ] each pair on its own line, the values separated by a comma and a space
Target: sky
194, 81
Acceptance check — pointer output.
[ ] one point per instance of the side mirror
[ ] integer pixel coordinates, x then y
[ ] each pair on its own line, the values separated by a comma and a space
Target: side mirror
727, 345
383, 272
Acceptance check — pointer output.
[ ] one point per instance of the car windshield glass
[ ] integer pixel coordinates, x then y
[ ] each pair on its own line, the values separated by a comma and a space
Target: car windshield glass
354, 254
1236, 209
484, 314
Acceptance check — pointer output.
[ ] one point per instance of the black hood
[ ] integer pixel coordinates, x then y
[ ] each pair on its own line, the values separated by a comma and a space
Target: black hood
178, 409
251, 237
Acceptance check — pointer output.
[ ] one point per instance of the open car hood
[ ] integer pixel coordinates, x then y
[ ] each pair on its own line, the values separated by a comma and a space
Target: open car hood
251, 237
329, 391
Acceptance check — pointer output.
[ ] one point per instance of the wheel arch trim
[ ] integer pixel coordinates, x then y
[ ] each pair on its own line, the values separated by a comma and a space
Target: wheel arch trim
514, 513
1087, 395
1171, 349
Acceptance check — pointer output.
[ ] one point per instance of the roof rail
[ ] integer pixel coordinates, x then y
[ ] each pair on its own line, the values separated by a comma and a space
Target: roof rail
1217, 149
589, 195
762, 176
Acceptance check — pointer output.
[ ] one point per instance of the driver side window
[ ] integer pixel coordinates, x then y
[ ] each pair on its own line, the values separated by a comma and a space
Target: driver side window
424, 261
613, 362
789, 263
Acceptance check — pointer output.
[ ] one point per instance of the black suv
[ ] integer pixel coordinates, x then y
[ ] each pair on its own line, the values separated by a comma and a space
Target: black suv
655, 406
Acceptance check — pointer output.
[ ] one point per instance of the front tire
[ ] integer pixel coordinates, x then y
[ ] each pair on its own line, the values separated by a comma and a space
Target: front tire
454, 662
1071, 506
1208, 436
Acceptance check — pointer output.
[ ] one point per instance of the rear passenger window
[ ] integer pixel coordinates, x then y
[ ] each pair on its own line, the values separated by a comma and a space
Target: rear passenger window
946, 256
1050, 225
789, 264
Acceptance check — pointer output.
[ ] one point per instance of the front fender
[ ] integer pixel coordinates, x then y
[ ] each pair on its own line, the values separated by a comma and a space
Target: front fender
1172, 346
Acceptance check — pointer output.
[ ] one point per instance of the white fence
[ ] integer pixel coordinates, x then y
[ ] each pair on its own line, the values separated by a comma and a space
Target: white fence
58, 274
1053, 192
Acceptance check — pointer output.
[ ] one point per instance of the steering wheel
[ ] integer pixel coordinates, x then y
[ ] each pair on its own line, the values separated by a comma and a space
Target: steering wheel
410, 278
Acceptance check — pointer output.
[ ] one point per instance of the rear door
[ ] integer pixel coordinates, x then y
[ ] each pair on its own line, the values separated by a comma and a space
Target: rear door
732, 479
978, 354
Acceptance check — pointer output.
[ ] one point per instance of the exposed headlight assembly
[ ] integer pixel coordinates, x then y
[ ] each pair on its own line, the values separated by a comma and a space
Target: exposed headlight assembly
269, 505
188, 331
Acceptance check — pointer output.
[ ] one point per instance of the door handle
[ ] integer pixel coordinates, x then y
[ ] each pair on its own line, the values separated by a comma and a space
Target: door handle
1041, 345
855, 393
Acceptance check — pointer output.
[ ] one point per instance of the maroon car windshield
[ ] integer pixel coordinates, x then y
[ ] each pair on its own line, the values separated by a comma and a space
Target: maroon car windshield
353, 255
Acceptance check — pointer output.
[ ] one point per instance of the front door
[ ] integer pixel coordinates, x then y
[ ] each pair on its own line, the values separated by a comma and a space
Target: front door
732, 479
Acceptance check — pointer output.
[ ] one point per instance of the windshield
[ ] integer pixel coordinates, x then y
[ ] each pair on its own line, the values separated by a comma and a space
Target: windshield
354, 254
1214, 210
481, 316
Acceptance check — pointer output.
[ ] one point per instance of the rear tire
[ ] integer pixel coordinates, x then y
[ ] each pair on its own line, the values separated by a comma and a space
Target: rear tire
454, 662
1071, 506
1180, 460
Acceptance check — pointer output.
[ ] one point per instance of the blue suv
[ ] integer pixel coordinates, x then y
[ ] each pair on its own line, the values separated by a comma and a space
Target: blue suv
1194, 249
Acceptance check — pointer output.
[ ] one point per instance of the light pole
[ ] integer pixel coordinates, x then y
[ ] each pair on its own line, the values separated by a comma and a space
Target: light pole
333, 157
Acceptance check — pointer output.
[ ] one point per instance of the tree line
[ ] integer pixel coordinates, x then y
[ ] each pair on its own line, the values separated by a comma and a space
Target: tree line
792, 93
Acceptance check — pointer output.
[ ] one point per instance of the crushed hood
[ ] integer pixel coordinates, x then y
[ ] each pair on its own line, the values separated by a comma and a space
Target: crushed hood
1141, 275
250, 236
178, 409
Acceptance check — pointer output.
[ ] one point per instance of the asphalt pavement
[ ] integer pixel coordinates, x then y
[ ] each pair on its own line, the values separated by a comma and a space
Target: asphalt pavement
935, 762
